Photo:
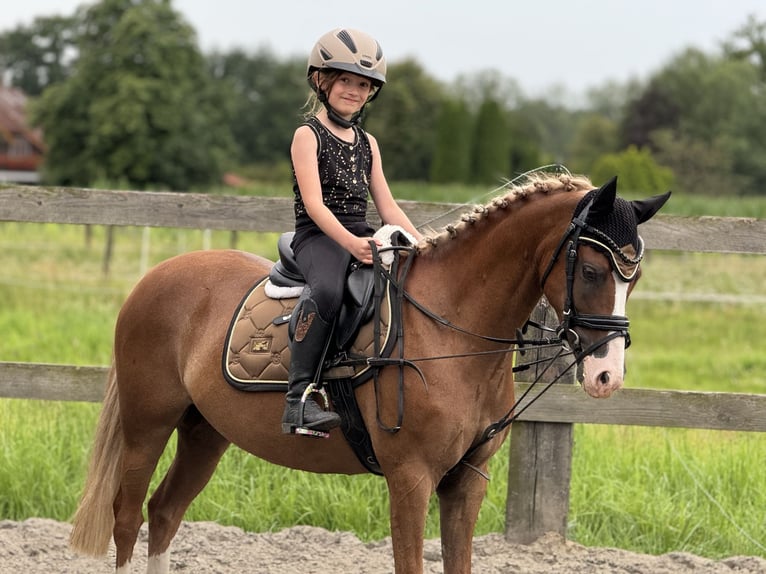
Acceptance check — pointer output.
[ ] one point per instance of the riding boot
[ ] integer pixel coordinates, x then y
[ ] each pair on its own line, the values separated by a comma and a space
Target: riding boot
310, 343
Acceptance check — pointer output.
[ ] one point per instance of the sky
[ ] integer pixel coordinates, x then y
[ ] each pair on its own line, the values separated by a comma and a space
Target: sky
574, 44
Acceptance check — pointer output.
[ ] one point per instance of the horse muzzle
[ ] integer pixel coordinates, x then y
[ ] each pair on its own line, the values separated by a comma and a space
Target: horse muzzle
601, 369
601, 359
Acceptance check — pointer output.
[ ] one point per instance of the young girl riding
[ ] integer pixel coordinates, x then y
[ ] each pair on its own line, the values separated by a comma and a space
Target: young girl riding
336, 166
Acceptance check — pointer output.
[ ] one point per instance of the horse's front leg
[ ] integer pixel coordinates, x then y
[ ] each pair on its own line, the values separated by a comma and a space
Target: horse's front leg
409, 493
460, 496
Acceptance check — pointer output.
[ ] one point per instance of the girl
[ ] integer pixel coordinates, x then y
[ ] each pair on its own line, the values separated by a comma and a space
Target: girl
336, 165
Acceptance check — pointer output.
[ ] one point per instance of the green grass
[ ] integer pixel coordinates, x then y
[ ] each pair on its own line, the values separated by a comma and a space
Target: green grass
702, 347
663, 490
644, 489
635, 488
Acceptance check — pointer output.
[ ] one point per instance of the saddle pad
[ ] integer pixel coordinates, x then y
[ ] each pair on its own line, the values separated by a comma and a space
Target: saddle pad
256, 356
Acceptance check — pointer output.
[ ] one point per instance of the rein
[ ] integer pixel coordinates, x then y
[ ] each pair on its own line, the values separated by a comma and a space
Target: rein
567, 340
396, 277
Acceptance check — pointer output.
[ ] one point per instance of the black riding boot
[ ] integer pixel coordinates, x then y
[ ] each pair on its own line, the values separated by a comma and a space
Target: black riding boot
312, 338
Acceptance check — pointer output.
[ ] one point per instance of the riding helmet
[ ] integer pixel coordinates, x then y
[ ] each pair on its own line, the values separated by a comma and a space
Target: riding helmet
348, 50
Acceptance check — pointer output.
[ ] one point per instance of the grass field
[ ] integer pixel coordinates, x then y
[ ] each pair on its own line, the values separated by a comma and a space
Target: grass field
650, 490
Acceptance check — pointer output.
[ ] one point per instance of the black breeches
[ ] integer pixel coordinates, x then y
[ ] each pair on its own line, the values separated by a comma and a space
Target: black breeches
324, 264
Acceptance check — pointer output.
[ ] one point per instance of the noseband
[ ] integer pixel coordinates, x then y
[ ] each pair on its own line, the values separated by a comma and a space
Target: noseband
616, 325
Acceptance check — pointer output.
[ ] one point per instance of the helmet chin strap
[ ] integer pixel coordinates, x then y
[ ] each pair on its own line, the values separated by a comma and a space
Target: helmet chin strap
334, 116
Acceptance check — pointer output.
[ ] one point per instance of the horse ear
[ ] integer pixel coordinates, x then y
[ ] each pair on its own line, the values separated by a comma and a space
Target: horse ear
646, 208
603, 200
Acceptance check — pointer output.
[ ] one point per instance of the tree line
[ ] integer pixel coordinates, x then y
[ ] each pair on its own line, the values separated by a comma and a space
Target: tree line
124, 95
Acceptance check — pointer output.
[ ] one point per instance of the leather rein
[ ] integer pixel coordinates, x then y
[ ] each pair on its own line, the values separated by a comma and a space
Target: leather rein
566, 339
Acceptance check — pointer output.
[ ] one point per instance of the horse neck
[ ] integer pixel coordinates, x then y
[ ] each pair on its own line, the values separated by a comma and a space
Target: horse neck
489, 273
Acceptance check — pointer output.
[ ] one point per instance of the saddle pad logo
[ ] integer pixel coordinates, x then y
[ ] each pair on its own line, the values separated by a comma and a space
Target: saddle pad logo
260, 345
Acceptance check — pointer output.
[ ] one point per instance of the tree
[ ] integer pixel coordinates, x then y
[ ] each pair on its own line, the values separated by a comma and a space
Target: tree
699, 167
452, 155
403, 120
719, 143
491, 144
749, 43
36, 56
711, 104
478, 87
140, 106
509, 134
524, 144
609, 100
552, 124
267, 96
595, 136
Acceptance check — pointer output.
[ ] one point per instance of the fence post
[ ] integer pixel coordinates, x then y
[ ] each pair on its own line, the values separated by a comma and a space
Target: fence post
540, 463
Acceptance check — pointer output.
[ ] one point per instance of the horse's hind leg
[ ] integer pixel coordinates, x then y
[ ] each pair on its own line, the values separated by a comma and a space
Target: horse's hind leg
142, 451
199, 450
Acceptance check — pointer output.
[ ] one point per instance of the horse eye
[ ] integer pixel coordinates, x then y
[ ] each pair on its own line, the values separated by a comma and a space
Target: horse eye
590, 273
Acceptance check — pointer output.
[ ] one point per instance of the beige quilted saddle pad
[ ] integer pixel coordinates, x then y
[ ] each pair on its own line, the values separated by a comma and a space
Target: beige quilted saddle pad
257, 356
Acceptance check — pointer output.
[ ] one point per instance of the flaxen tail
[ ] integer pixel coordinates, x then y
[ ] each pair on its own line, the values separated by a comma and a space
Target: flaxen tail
94, 519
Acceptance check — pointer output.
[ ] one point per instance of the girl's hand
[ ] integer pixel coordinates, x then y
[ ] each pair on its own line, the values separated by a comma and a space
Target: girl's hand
360, 248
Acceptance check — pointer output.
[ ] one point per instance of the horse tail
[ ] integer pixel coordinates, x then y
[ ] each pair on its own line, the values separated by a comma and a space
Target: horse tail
93, 521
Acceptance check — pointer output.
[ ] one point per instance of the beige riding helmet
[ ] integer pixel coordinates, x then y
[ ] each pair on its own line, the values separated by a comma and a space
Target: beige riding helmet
348, 50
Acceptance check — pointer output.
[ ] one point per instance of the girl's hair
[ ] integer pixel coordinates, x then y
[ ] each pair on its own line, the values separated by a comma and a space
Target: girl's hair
324, 80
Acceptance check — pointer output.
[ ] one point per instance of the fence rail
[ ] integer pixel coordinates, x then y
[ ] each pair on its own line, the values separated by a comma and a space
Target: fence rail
561, 404
541, 443
242, 213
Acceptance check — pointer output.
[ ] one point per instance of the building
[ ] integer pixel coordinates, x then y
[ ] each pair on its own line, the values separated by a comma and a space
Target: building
21, 147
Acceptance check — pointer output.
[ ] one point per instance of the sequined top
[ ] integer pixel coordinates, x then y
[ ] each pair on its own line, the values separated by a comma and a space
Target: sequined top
344, 172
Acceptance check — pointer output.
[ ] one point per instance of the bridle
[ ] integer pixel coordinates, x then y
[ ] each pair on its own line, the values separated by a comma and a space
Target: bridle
616, 325
566, 336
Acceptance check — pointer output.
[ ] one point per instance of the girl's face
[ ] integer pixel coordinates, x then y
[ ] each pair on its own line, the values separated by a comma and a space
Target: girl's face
348, 94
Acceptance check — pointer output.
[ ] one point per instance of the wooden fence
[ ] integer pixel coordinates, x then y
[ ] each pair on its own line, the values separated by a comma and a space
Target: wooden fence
541, 442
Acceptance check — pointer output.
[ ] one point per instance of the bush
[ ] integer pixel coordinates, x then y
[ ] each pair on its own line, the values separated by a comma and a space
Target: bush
636, 169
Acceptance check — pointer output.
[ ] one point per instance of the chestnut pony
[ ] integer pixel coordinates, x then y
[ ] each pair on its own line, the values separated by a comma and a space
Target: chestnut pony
482, 275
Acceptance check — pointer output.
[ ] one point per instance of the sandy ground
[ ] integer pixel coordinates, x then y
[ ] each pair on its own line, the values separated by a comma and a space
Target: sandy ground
40, 546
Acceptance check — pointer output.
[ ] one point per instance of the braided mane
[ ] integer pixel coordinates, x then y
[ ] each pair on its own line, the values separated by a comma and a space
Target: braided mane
535, 184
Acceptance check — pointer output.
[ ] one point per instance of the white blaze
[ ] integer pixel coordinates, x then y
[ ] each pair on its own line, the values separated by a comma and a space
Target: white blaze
603, 375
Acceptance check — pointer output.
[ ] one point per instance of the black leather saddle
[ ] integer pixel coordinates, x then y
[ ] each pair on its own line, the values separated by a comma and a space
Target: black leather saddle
357, 307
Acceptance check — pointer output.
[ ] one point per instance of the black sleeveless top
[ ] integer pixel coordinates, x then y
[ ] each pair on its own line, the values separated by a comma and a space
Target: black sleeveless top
344, 172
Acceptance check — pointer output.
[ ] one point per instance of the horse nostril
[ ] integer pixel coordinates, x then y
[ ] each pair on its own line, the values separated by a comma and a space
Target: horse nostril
604, 378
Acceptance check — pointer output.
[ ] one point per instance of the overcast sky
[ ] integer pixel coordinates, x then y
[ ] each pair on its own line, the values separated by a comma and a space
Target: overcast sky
540, 43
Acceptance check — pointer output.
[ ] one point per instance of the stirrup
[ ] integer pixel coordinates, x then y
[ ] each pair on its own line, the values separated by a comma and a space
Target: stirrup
310, 432
288, 428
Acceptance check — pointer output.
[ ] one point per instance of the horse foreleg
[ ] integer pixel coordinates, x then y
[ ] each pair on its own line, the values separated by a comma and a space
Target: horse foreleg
460, 497
409, 494
200, 448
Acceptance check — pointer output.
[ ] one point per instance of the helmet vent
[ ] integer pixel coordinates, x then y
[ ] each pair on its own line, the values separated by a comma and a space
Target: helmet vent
365, 63
325, 54
346, 38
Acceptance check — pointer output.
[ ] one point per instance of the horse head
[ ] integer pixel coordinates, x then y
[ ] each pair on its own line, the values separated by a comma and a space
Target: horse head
598, 263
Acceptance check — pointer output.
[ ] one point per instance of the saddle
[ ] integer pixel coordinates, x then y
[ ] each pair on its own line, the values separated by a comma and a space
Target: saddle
256, 356
286, 278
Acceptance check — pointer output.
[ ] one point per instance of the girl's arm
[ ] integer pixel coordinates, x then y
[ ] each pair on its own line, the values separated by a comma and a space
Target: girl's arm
388, 209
